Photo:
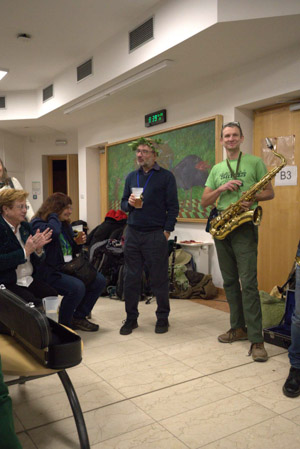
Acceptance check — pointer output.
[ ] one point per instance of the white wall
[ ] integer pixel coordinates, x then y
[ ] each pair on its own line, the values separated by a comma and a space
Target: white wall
12, 154
34, 149
230, 95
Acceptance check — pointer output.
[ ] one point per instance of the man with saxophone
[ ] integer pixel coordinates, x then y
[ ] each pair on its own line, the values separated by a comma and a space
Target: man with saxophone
237, 247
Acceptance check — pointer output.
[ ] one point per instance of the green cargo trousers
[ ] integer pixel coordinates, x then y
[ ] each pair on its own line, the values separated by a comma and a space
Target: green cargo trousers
8, 438
237, 255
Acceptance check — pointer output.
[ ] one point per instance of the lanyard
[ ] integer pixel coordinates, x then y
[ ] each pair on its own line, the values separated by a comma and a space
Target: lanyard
66, 246
148, 179
234, 175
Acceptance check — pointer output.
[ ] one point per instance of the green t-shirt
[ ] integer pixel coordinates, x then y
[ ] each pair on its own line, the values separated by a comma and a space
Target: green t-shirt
65, 245
251, 170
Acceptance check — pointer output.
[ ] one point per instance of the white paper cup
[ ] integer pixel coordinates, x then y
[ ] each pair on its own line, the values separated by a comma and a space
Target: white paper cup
51, 304
137, 191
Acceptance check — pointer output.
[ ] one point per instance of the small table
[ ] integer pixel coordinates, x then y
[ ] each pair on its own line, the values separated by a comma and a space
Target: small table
200, 253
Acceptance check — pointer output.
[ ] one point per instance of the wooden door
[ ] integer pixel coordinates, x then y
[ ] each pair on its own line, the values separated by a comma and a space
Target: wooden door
279, 231
68, 172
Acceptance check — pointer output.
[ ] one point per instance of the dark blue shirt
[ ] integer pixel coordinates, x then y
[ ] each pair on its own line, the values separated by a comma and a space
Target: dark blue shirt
160, 201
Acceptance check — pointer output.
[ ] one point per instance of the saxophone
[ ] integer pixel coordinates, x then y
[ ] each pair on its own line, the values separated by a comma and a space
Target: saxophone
234, 216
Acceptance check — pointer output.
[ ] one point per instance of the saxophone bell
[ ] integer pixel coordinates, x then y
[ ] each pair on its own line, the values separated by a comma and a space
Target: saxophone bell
257, 215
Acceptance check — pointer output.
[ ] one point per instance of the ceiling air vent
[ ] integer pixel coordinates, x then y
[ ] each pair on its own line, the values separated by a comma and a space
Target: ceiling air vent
2, 102
141, 35
48, 92
84, 70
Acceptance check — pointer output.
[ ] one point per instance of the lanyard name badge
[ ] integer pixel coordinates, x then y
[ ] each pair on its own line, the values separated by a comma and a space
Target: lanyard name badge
234, 174
67, 248
147, 180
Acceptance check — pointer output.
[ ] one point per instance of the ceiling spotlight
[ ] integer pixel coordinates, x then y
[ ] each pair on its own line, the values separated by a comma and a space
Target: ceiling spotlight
3, 72
24, 37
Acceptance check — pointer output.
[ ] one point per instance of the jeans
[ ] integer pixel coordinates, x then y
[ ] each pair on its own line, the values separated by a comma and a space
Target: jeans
78, 299
294, 349
237, 255
35, 292
150, 248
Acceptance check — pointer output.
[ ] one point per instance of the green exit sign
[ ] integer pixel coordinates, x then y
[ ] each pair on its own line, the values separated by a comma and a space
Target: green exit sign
156, 118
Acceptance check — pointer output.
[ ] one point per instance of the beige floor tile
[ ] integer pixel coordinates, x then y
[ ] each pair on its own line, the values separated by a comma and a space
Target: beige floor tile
219, 360
47, 386
181, 398
152, 379
149, 437
59, 435
113, 351
271, 396
102, 424
275, 433
36, 389
294, 415
106, 335
58, 407
18, 425
250, 376
26, 441
127, 365
175, 335
282, 357
201, 315
194, 348
188, 390
216, 420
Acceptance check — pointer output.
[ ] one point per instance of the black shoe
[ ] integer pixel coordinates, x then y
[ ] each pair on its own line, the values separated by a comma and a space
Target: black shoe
291, 388
83, 324
162, 325
128, 327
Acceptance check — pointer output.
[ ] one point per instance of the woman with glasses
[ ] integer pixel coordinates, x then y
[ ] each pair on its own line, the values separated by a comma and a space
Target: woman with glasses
12, 183
78, 299
20, 250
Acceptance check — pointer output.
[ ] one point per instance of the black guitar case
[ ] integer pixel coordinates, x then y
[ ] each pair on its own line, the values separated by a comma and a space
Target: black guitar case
54, 345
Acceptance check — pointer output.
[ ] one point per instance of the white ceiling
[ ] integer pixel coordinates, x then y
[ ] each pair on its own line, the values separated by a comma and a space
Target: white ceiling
66, 32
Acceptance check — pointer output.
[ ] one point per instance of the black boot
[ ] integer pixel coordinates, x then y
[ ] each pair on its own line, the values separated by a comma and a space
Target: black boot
291, 388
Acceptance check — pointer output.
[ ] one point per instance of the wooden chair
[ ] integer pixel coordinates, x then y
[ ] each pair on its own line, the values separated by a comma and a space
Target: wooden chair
33, 346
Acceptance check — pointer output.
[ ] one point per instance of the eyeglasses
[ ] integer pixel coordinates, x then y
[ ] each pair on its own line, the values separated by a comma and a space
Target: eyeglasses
143, 152
21, 206
232, 124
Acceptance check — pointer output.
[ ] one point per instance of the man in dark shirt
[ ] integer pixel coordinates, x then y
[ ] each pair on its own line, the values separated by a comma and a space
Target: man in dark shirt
149, 227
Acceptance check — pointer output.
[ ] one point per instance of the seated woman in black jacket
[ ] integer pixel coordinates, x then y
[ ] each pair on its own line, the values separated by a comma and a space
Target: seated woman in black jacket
78, 299
20, 251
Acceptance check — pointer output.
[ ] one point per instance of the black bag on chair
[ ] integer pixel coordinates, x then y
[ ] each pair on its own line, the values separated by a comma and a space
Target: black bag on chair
81, 268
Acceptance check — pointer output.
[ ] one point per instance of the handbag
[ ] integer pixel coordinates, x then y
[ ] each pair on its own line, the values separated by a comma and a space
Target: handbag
81, 268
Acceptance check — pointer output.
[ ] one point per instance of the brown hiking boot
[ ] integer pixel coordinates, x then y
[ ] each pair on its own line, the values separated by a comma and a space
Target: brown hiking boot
259, 354
233, 335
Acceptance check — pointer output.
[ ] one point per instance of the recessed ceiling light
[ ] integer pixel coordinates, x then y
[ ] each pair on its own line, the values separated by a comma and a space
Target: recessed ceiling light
24, 37
3, 73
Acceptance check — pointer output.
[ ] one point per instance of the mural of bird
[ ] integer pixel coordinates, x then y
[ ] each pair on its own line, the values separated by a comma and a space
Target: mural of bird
189, 172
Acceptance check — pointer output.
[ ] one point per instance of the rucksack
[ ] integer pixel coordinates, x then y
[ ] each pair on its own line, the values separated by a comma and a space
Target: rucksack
108, 258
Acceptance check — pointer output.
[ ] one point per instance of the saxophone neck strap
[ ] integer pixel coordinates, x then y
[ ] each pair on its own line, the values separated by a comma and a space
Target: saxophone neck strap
234, 174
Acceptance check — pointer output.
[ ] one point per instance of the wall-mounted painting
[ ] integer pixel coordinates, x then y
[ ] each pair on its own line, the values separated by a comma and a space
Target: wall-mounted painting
189, 151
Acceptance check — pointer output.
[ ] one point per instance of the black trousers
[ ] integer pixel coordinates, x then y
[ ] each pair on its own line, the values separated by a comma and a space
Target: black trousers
150, 248
35, 292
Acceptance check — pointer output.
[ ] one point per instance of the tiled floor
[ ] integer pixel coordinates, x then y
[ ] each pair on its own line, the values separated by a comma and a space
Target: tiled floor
178, 390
